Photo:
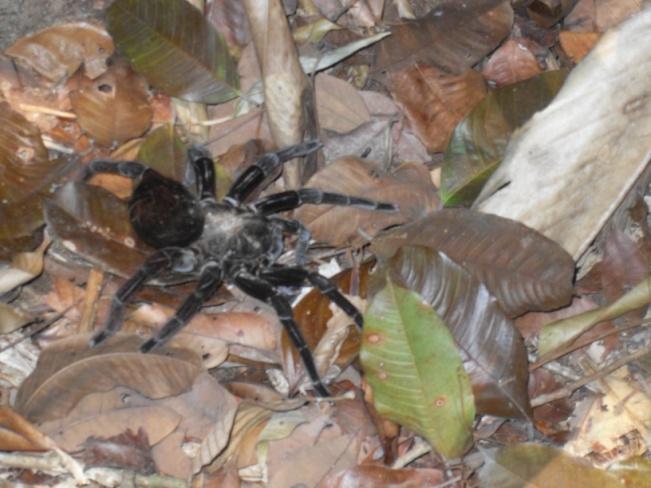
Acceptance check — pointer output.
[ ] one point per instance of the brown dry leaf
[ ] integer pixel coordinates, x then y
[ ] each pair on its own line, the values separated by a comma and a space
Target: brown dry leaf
114, 107
12, 318
17, 434
285, 85
236, 131
576, 45
69, 370
452, 37
610, 13
58, 51
107, 414
355, 14
435, 102
127, 450
229, 18
546, 13
339, 105
23, 267
409, 186
374, 476
512, 62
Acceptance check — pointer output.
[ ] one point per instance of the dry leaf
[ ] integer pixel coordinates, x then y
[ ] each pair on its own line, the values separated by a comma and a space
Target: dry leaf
17, 434
58, 51
576, 45
512, 62
435, 102
339, 106
114, 107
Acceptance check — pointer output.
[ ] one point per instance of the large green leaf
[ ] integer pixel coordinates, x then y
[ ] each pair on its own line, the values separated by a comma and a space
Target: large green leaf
479, 141
412, 363
172, 45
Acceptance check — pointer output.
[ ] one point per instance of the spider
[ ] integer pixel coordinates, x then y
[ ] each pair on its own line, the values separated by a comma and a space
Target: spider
227, 241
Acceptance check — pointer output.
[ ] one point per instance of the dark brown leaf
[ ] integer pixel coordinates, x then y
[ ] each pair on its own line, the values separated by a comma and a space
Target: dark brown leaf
409, 186
512, 62
523, 269
452, 37
435, 102
493, 352
128, 450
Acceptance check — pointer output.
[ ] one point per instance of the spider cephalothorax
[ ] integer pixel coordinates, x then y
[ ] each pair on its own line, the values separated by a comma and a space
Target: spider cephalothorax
227, 241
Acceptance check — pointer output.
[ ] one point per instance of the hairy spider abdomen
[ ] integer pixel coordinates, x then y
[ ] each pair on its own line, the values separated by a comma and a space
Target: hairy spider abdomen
164, 213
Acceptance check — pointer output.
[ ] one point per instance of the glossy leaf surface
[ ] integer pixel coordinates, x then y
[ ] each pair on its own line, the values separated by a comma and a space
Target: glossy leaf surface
175, 48
479, 141
413, 365
492, 350
523, 269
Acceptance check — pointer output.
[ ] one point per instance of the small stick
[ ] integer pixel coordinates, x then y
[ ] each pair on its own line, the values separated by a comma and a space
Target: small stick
47, 111
567, 390
93, 289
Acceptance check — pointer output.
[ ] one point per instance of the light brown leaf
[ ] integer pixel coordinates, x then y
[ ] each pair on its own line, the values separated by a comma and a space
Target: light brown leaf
435, 102
409, 186
577, 44
339, 106
114, 107
58, 51
374, 476
512, 62
17, 434
69, 370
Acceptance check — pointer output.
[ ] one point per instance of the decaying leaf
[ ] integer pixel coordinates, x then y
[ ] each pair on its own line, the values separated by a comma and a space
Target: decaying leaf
564, 155
538, 465
408, 186
12, 318
172, 45
17, 434
164, 151
374, 476
452, 37
510, 63
577, 45
434, 101
114, 107
493, 353
58, 51
416, 372
69, 370
522, 269
339, 106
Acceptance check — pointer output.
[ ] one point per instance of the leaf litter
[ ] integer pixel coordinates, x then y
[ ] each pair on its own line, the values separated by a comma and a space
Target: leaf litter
205, 408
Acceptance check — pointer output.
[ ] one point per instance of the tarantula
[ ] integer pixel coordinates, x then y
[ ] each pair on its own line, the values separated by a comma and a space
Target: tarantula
228, 241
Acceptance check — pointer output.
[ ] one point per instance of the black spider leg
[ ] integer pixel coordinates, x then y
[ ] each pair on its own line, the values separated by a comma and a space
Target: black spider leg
204, 169
161, 259
130, 169
266, 166
296, 276
260, 289
303, 237
209, 282
289, 200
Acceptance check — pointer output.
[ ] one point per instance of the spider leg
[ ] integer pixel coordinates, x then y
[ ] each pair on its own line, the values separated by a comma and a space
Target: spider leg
266, 166
204, 169
209, 281
303, 237
289, 200
260, 289
167, 258
297, 276
130, 169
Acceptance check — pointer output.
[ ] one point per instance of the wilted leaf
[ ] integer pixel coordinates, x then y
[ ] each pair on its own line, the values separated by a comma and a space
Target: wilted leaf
164, 151
522, 269
408, 186
434, 101
58, 51
339, 106
93, 223
492, 350
564, 155
126, 450
577, 45
12, 318
452, 37
172, 45
535, 465
412, 363
22, 268
479, 141
510, 63
114, 107
69, 370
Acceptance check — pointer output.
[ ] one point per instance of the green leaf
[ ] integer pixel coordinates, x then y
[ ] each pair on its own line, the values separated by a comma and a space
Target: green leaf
479, 141
538, 466
165, 152
172, 45
412, 363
